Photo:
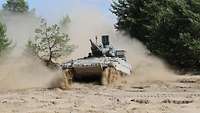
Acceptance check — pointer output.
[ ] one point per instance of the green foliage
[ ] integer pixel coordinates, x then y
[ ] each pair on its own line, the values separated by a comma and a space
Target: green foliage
169, 28
65, 21
4, 42
49, 43
19, 6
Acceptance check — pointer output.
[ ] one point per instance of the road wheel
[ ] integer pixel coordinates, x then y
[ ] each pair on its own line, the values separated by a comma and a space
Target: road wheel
104, 78
67, 79
109, 76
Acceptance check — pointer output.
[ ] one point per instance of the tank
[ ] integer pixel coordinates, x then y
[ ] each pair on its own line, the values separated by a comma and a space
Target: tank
104, 63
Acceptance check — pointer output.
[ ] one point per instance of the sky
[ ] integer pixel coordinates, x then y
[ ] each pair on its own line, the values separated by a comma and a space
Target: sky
53, 9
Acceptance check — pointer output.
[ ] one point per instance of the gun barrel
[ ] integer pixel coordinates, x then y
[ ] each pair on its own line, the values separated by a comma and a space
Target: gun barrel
94, 46
96, 50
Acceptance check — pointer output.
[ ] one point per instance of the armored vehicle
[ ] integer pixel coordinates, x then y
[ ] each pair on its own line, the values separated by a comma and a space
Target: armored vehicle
103, 63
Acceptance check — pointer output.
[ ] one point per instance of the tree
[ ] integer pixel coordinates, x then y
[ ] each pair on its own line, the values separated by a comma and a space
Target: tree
64, 22
4, 42
49, 43
20, 6
168, 28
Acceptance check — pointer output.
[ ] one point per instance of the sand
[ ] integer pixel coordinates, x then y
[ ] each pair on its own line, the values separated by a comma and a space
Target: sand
180, 95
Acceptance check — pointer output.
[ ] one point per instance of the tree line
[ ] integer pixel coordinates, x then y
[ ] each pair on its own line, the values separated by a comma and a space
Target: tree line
170, 29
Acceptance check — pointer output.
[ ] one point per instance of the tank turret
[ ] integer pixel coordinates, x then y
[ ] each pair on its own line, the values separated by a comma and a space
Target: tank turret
105, 49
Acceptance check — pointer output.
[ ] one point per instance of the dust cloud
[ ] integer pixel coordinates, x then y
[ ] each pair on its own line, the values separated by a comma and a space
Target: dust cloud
146, 67
19, 70
86, 24
25, 72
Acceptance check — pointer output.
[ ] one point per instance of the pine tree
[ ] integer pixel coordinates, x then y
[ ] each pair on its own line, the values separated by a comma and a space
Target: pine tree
170, 29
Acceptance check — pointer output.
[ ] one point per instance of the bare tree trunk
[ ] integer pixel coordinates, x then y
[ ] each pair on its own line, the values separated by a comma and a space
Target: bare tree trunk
49, 61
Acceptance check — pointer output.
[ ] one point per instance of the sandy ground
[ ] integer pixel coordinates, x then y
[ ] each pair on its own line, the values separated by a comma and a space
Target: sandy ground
181, 95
